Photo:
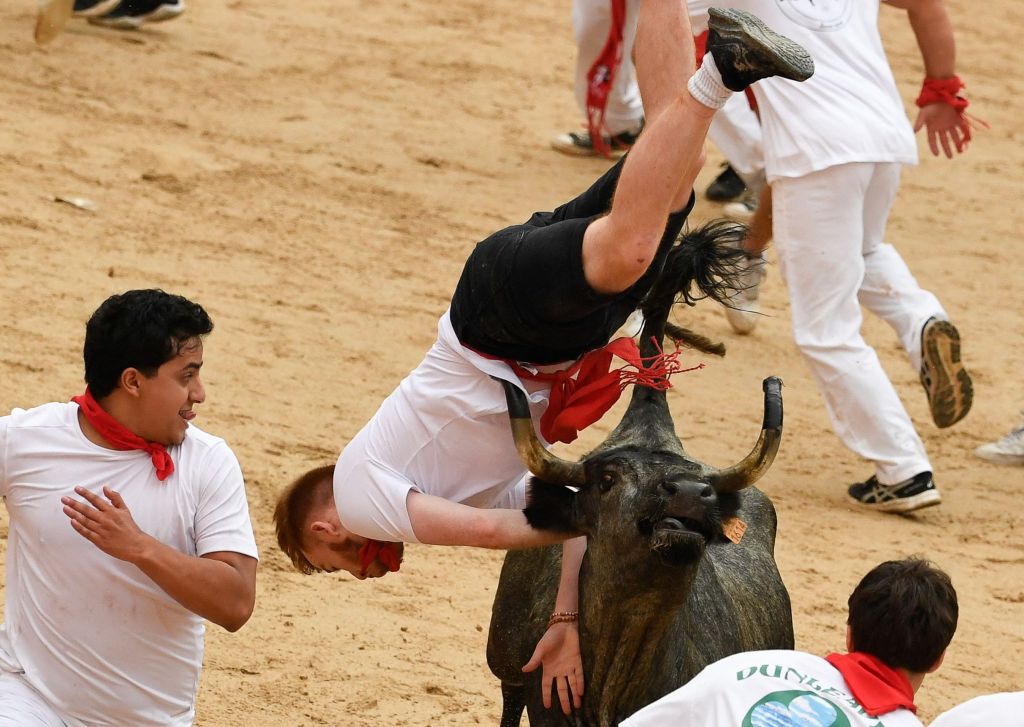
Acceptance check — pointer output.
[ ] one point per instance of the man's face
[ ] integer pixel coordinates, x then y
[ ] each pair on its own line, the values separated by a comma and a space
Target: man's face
339, 550
167, 398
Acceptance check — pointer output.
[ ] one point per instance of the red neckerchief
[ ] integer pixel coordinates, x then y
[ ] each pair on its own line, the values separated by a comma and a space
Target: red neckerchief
121, 437
386, 552
582, 393
879, 688
601, 76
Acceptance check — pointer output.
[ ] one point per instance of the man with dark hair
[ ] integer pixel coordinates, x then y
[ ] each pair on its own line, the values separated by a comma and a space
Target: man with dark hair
110, 631
902, 617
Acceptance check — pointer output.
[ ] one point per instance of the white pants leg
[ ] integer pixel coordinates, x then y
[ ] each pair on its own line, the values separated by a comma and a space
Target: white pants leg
736, 131
821, 235
889, 289
591, 21
23, 706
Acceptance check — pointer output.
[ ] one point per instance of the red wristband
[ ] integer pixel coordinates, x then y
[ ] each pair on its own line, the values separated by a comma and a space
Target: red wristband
943, 90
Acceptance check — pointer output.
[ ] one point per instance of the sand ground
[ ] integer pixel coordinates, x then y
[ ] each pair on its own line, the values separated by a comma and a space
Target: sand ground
315, 174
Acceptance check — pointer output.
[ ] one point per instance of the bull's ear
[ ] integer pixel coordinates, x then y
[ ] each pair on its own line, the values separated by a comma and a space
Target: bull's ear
551, 507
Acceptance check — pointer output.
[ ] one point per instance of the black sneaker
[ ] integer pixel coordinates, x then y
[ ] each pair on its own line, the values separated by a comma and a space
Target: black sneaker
726, 187
579, 143
943, 376
746, 50
94, 8
913, 494
132, 14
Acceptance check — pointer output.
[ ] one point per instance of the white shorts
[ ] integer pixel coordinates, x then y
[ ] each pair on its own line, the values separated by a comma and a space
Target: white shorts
22, 706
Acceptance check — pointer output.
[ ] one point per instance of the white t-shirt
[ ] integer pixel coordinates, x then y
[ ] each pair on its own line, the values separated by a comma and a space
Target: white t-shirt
444, 431
1005, 709
850, 109
94, 635
765, 689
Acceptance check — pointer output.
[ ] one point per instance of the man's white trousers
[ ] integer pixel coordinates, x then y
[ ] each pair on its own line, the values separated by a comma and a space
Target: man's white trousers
828, 229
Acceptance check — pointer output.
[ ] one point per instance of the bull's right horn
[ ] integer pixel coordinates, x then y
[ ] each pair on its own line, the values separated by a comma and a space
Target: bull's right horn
537, 459
755, 464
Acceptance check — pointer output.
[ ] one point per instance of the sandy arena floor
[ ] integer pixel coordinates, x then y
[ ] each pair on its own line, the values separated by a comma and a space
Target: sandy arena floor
315, 173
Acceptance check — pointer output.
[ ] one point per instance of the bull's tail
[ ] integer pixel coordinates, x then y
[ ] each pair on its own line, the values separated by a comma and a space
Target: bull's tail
704, 263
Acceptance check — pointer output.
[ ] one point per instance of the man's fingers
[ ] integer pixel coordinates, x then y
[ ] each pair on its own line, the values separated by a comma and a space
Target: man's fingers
113, 496
82, 530
545, 693
564, 694
95, 500
944, 138
75, 508
578, 690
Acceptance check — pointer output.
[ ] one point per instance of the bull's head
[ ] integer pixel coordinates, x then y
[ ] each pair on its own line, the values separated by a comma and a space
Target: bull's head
640, 482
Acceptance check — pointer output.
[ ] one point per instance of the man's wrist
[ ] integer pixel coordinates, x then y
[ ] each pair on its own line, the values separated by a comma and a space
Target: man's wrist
568, 617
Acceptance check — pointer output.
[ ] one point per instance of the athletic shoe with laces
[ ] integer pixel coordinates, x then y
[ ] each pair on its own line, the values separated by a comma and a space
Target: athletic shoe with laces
743, 209
727, 186
579, 143
912, 494
946, 382
743, 308
133, 14
746, 50
1008, 450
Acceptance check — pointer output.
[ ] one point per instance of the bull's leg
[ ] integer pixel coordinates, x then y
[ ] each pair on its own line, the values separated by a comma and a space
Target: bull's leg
513, 700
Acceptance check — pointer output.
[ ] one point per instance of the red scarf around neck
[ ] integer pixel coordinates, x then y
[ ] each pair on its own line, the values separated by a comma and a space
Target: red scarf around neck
121, 437
386, 552
582, 393
879, 688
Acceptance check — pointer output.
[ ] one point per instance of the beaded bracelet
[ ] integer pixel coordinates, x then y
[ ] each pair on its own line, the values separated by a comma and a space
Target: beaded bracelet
563, 617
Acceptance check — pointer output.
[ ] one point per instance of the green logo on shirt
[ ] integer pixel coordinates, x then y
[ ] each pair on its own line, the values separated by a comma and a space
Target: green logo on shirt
795, 708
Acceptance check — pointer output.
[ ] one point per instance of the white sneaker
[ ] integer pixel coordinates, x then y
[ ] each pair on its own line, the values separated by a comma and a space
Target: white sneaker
743, 209
1008, 450
743, 307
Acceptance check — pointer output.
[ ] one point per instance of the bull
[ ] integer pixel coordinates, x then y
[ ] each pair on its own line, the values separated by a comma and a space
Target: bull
662, 591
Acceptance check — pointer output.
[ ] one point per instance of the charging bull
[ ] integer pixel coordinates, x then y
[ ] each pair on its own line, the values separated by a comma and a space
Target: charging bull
662, 591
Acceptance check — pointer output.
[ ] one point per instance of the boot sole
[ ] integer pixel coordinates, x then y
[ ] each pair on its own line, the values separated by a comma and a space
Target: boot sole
945, 380
774, 53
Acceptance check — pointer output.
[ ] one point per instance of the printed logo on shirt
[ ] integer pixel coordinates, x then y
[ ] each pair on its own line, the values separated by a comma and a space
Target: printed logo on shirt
795, 708
818, 14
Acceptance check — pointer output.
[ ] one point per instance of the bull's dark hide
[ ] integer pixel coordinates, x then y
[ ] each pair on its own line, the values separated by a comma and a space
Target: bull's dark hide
662, 592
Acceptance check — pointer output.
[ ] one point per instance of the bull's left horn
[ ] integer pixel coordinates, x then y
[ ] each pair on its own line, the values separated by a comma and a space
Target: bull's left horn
538, 460
755, 464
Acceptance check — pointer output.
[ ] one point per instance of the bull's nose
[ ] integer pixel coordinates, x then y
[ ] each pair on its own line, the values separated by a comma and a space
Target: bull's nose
691, 489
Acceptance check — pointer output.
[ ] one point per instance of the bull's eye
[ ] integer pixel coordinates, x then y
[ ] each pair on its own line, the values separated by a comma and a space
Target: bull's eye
606, 481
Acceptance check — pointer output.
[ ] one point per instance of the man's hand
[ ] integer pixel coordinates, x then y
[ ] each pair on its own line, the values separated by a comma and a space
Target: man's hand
107, 523
946, 126
559, 653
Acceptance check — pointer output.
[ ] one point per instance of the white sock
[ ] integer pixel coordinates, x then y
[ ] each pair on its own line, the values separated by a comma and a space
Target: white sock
706, 85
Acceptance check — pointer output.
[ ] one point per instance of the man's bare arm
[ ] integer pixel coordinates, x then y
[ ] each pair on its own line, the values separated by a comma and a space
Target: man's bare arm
437, 521
220, 586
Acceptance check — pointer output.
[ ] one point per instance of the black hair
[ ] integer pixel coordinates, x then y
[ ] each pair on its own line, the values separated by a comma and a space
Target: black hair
904, 612
141, 329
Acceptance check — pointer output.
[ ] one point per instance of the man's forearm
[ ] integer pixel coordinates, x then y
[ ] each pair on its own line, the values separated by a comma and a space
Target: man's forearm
934, 33
219, 591
568, 596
